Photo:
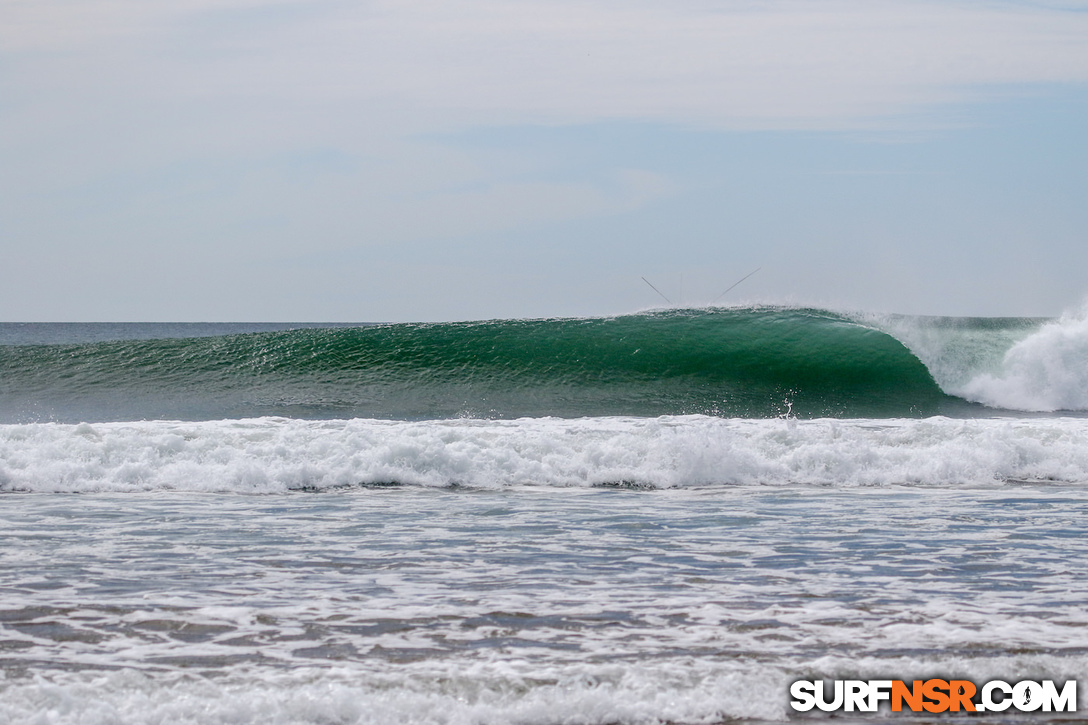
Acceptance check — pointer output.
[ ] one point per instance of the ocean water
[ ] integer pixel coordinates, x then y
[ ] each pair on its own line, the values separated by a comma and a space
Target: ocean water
662, 517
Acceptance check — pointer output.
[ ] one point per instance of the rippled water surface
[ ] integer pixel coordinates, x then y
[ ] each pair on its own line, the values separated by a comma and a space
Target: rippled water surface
526, 604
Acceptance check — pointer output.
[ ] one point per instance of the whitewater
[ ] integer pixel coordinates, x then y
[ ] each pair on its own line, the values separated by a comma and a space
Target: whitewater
663, 517
278, 455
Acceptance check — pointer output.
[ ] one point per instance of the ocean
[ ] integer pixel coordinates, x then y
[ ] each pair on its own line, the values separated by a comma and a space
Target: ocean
664, 517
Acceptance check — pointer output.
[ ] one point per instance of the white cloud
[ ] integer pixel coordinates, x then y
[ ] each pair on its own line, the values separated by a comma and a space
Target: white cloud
785, 63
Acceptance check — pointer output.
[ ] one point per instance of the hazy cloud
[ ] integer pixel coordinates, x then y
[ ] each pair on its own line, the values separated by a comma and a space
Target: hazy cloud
175, 159
790, 63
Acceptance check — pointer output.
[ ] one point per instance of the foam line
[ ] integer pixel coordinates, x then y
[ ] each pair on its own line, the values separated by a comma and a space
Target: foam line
269, 455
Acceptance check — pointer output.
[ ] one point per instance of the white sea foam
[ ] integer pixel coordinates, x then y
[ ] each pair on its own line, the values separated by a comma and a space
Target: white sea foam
676, 690
1046, 371
530, 605
1013, 366
268, 455
514, 691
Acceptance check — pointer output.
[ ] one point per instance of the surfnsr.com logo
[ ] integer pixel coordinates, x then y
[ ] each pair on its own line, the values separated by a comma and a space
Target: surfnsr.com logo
934, 696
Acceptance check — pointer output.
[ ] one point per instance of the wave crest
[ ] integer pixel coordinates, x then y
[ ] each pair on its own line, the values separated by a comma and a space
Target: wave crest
746, 362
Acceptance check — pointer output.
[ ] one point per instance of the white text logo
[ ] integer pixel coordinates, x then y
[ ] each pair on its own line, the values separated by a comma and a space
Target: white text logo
934, 696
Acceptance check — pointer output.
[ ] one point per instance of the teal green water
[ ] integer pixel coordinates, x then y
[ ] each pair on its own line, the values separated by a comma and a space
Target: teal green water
760, 362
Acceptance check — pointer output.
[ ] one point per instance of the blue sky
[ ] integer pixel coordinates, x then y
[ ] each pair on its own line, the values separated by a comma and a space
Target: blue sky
339, 161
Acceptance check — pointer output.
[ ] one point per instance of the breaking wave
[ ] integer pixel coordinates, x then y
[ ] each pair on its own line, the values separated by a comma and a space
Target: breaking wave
752, 362
276, 455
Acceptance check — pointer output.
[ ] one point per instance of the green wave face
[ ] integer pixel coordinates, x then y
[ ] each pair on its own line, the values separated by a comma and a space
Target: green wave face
740, 362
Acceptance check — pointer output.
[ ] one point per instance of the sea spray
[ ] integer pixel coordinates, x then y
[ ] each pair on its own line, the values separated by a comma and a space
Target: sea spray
955, 350
1046, 371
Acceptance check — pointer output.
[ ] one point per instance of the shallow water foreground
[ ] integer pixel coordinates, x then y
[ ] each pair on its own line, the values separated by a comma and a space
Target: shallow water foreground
526, 604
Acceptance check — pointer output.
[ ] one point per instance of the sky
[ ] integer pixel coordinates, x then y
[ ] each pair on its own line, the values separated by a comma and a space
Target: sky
336, 160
